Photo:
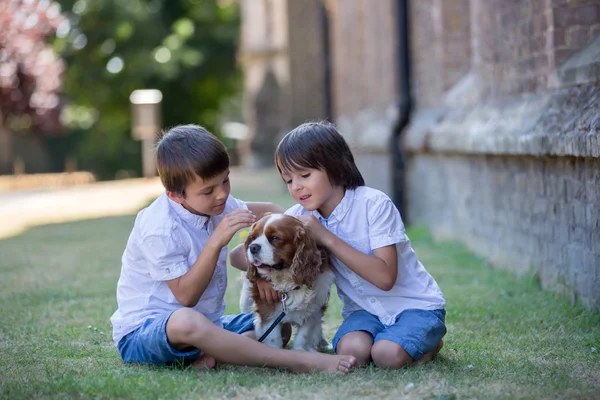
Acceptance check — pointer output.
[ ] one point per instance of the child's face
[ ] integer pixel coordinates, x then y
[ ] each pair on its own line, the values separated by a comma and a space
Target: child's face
205, 197
312, 189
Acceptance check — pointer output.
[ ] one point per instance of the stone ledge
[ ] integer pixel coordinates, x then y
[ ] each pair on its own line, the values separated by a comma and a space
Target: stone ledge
370, 130
564, 122
583, 67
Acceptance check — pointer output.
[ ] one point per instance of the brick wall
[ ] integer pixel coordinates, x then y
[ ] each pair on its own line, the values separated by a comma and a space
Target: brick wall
504, 146
538, 216
282, 88
307, 61
364, 81
576, 23
441, 44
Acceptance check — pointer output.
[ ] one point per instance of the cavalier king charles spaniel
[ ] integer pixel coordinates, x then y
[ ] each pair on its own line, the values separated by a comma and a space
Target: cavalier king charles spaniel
281, 250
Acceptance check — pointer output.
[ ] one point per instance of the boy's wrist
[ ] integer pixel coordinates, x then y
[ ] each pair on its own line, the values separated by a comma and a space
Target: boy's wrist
329, 240
213, 244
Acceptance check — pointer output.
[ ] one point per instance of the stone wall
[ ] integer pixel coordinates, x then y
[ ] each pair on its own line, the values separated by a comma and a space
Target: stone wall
504, 145
364, 82
503, 149
282, 88
538, 216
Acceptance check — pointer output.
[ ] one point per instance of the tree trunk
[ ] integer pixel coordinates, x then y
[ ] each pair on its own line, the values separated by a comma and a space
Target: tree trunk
6, 153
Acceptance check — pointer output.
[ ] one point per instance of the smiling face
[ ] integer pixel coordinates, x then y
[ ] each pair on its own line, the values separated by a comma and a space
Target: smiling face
312, 189
205, 197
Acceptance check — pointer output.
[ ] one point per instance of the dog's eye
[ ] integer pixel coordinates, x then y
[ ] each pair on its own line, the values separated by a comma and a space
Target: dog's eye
273, 239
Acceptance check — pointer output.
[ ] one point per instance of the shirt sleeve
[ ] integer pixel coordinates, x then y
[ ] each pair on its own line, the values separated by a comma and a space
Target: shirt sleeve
165, 254
385, 224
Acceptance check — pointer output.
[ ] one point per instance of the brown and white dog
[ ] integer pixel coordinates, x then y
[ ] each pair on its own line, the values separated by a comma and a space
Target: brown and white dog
281, 250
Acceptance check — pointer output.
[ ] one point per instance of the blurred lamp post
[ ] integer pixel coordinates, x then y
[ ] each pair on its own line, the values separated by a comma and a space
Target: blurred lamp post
145, 109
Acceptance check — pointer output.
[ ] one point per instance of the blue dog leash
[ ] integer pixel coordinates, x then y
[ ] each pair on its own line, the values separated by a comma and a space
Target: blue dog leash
278, 319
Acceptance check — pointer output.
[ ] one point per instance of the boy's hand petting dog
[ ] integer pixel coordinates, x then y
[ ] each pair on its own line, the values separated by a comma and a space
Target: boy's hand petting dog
267, 293
230, 224
319, 232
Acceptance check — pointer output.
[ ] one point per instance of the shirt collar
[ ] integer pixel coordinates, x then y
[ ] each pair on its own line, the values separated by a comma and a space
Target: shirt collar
197, 221
340, 211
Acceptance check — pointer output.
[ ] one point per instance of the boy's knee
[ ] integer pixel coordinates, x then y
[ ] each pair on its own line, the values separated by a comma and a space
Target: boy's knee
387, 354
358, 346
185, 323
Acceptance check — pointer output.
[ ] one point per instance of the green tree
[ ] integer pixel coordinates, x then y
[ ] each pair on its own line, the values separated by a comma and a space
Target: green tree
184, 48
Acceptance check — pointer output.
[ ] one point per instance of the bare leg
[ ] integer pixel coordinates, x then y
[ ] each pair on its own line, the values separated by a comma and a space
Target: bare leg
187, 327
357, 344
388, 354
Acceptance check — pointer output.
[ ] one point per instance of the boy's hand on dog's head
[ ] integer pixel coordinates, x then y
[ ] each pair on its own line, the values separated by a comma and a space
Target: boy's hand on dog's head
267, 293
230, 224
318, 231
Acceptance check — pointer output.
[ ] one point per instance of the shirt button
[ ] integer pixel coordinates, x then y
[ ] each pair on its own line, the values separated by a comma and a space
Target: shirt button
372, 300
360, 291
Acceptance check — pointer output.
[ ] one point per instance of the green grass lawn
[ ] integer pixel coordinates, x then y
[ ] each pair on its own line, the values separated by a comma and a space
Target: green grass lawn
506, 338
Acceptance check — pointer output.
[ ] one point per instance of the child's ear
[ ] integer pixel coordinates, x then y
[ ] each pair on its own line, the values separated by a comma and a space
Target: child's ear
176, 197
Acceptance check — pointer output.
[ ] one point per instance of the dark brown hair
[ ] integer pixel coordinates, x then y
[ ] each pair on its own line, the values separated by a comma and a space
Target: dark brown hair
318, 145
186, 152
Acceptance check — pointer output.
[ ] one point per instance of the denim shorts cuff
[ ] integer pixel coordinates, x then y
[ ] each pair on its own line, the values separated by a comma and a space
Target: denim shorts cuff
409, 347
173, 350
357, 321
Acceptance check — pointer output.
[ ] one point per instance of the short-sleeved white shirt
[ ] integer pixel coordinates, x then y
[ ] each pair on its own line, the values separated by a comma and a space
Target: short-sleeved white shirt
367, 219
165, 242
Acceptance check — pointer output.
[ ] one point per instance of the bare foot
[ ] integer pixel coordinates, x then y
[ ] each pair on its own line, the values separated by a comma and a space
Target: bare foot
328, 363
205, 362
431, 354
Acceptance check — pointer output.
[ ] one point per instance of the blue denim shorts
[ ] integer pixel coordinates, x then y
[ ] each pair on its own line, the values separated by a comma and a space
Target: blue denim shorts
148, 344
416, 331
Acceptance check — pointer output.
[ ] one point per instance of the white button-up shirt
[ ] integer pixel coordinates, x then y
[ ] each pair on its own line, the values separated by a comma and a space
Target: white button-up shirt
367, 219
165, 242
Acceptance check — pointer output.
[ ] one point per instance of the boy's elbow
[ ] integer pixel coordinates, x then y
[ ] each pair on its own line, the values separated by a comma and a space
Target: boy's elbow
187, 301
387, 284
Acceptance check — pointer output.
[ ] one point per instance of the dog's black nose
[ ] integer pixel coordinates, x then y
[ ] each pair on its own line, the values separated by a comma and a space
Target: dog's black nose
254, 248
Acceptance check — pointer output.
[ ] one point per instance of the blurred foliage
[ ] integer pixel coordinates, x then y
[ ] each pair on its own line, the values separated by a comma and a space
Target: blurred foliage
184, 48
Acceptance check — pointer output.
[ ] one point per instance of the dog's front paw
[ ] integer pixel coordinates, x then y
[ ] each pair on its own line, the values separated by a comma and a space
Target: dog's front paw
305, 347
325, 346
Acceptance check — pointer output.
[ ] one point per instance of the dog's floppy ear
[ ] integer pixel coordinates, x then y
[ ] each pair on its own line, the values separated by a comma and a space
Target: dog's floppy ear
251, 272
307, 261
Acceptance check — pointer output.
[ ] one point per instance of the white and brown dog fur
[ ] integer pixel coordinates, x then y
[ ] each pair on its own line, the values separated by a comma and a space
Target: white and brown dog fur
280, 249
